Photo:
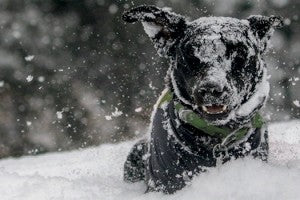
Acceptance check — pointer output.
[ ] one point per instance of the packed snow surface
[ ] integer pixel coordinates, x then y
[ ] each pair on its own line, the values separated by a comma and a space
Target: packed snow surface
96, 173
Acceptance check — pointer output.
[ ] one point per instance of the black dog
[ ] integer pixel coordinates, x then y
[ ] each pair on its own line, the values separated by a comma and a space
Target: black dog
216, 84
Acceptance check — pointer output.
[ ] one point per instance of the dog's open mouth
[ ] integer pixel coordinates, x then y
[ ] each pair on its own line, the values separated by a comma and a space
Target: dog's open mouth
214, 109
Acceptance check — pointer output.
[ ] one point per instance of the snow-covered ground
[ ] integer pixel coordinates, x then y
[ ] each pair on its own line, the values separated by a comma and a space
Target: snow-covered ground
96, 173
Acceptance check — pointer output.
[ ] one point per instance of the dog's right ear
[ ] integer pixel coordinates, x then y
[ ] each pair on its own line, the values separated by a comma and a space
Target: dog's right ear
163, 27
263, 27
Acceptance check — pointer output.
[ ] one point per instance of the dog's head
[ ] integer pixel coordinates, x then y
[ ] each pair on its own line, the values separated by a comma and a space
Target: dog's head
216, 67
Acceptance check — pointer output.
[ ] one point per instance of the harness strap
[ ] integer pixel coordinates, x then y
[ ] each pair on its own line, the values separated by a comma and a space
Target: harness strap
225, 133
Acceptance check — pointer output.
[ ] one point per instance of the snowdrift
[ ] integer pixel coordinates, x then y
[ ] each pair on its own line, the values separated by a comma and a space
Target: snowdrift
96, 173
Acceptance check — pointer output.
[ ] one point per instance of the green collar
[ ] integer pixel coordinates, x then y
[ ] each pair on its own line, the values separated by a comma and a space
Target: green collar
193, 119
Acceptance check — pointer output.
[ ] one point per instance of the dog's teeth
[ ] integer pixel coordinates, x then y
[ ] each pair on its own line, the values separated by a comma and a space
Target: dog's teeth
224, 108
207, 107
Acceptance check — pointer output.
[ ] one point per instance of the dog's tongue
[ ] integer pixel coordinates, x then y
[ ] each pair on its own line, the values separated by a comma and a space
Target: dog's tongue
214, 109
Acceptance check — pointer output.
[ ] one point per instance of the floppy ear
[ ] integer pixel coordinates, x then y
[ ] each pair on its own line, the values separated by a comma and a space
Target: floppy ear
263, 27
163, 27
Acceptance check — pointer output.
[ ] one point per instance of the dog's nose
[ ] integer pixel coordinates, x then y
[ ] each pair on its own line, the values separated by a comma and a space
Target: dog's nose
211, 89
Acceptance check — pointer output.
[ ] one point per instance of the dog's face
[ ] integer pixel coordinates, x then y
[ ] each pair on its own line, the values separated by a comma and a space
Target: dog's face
216, 63
217, 66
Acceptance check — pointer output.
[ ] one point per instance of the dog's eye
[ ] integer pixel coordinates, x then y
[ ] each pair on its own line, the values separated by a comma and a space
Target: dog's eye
243, 66
238, 65
240, 60
188, 55
235, 50
194, 66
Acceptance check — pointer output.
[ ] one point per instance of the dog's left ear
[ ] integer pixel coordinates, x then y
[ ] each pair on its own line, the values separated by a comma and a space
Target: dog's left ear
163, 27
263, 27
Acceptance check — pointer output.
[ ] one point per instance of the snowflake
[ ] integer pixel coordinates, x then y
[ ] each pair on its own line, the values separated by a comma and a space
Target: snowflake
297, 103
29, 58
29, 78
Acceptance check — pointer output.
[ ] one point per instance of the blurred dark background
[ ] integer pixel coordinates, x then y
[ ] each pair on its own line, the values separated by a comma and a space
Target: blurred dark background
72, 74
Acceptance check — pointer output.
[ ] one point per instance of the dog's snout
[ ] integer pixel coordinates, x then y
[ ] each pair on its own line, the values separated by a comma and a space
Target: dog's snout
211, 93
211, 88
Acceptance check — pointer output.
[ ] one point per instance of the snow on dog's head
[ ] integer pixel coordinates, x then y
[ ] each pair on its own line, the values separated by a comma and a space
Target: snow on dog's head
216, 64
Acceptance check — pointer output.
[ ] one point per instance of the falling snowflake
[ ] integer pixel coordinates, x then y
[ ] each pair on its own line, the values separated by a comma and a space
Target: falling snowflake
139, 109
113, 9
41, 78
29, 78
297, 103
59, 114
116, 113
108, 117
29, 58
151, 86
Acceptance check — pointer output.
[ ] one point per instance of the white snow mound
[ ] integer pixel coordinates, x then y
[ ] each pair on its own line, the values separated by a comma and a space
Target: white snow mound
96, 173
